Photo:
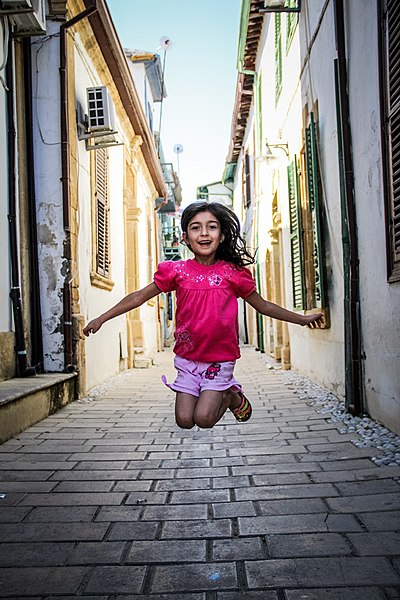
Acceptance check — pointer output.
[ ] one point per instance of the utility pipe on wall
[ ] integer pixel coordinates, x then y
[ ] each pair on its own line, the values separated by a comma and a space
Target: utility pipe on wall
65, 183
24, 369
353, 354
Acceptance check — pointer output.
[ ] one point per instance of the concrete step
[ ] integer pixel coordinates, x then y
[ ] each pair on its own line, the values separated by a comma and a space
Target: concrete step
27, 400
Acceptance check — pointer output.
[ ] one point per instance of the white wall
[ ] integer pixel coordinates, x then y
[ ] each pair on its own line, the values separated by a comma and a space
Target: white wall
380, 301
46, 124
103, 349
320, 353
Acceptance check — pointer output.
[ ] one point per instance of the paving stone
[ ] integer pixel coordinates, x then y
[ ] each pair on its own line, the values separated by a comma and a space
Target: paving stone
160, 551
98, 475
75, 499
118, 513
182, 596
91, 553
196, 529
382, 486
371, 502
233, 509
34, 555
344, 464
177, 512
381, 521
313, 523
281, 479
116, 580
147, 498
208, 472
356, 475
359, 593
210, 576
376, 544
303, 545
62, 514
237, 549
194, 496
8, 487
133, 531
52, 532
291, 507
183, 484
43, 580
13, 514
242, 595
286, 491
317, 572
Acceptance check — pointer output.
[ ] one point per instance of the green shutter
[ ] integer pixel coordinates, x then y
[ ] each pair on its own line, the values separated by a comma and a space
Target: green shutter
296, 241
291, 24
315, 209
278, 57
258, 103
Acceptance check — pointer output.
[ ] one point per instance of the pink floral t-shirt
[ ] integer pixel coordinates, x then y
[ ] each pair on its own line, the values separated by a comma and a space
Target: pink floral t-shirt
207, 307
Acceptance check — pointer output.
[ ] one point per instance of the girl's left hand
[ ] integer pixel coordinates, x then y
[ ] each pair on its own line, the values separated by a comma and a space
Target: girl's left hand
313, 321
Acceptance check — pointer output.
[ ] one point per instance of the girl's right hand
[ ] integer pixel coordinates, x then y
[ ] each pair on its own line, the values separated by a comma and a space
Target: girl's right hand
93, 326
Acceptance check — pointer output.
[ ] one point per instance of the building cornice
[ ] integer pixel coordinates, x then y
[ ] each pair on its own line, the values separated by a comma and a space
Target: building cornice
113, 53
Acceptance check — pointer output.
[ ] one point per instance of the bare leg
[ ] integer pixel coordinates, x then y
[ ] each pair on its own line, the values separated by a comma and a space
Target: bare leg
185, 405
210, 408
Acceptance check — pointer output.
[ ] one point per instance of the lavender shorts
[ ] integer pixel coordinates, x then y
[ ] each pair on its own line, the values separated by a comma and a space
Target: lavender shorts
194, 376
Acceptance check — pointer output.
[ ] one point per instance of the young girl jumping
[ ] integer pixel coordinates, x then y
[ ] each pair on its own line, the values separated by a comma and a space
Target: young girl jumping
206, 335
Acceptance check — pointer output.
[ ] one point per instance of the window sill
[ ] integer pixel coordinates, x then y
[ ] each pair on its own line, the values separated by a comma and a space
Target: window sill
101, 282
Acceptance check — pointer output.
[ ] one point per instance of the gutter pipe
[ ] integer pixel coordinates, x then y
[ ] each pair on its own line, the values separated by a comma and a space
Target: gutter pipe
69, 365
36, 316
24, 369
354, 392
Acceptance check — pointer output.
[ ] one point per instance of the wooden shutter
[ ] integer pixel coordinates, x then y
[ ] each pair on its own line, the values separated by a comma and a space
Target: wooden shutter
247, 182
278, 57
393, 124
291, 24
102, 213
259, 115
315, 209
296, 237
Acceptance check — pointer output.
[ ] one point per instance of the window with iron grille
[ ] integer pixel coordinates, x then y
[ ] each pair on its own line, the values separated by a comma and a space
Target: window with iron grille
278, 57
390, 60
305, 210
102, 213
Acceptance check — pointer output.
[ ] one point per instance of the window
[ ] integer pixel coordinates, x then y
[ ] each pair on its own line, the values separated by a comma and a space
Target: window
306, 244
102, 220
391, 140
278, 57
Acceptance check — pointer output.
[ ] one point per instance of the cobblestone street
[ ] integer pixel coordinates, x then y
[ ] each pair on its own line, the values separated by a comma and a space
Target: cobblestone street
109, 499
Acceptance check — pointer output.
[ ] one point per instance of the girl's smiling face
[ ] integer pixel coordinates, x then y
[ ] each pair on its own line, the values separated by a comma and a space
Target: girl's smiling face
204, 236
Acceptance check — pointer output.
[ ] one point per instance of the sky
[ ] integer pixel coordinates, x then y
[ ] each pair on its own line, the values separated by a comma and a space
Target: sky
200, 77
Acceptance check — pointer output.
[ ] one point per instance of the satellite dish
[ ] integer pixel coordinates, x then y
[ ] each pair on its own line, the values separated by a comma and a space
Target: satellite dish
178, 148
165, 43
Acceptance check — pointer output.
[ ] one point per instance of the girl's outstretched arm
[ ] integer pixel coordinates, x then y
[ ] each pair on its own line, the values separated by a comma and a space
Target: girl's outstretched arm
277, 312
128, 303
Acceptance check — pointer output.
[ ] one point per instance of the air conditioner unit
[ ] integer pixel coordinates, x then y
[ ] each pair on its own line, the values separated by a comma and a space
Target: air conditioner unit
97, 128
27, 16
101, 116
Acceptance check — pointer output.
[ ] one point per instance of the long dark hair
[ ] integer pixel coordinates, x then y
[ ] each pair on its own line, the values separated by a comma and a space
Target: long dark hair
233, 247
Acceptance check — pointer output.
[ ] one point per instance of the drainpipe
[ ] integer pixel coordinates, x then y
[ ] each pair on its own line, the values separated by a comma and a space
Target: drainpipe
24, 369
354, 392
36, 316
69, 365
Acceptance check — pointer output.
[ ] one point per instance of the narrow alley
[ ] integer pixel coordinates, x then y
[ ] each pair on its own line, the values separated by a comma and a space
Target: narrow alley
108, 499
